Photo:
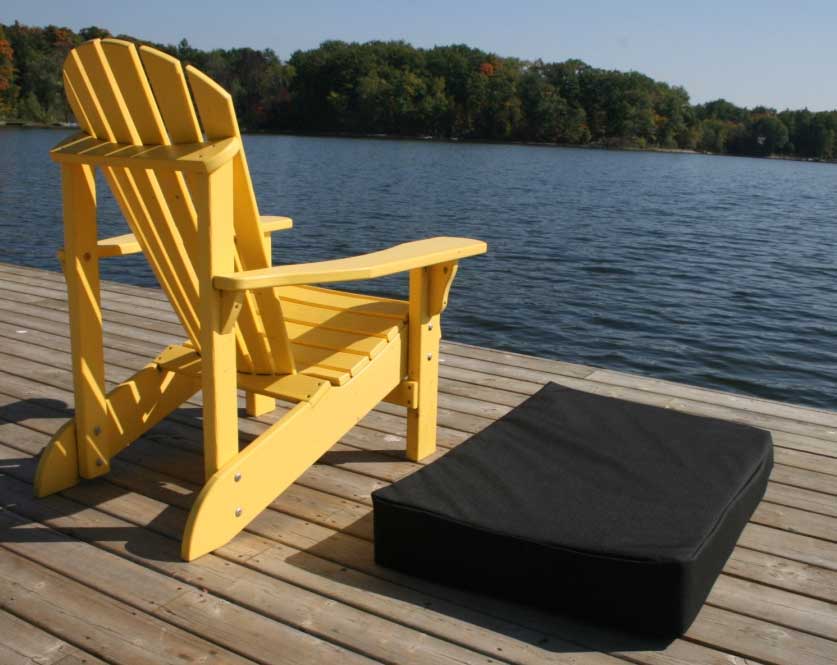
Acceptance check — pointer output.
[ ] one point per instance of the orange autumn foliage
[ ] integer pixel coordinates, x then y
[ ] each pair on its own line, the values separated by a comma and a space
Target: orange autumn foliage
6, 64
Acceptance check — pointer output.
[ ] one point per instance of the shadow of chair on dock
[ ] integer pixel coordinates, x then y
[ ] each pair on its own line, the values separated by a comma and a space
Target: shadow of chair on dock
81, 513
346, 559
138, 512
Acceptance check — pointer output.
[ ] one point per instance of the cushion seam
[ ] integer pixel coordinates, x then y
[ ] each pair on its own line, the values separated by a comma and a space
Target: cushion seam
501, 534
720, 519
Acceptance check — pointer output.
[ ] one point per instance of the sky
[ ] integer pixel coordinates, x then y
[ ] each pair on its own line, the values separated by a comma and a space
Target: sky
778, 54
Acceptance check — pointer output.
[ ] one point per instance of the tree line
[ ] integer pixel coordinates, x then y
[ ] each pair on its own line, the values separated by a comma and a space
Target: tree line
452, 91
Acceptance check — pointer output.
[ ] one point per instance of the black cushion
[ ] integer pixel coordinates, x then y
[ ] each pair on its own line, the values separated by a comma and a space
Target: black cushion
592, 506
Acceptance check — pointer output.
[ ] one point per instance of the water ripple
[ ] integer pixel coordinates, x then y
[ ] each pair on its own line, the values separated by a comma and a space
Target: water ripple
720, 272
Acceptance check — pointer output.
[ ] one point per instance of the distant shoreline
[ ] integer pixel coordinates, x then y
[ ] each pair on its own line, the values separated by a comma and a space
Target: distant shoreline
534, 144
406, 137
29, 124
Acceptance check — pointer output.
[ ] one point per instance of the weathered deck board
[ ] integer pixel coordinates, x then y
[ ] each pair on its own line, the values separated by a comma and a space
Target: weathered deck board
107, 627
300, 585
27, 644
59, 382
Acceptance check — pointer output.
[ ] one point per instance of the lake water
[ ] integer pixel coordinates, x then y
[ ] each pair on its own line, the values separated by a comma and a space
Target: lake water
714, 271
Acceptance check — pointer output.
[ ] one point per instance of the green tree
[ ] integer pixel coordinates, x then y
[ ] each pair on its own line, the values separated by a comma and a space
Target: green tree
764, 134
456, 91
714, 134
93, 32
543, 107
31, 109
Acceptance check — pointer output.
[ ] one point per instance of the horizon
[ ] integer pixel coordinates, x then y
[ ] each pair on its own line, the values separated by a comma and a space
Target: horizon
776, 60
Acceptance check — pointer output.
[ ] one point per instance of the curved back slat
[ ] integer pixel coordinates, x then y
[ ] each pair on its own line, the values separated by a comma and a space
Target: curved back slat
217, 115
136, 91
89, 104
75, 105
140, 97
169, 85
138, 193
213, 104
103, 86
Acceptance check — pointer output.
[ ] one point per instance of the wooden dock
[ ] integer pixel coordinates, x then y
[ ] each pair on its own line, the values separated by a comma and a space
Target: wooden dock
93, 575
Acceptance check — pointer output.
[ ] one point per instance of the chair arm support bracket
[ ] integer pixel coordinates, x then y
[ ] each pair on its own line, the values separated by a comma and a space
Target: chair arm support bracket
231, 304
441, 279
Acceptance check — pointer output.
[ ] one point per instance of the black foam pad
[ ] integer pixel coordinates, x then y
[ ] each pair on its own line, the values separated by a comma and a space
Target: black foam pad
588, 505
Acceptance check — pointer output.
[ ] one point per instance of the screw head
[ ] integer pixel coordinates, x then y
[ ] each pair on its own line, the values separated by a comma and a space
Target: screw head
430, 356
237, 476
238, 512
100, 462
430, 326
97, 430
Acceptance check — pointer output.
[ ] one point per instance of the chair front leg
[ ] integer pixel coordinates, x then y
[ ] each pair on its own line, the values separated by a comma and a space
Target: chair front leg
81, 271
429, 290
423, 366
214, 203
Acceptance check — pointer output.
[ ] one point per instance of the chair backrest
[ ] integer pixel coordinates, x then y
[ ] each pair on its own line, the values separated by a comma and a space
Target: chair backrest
139, 96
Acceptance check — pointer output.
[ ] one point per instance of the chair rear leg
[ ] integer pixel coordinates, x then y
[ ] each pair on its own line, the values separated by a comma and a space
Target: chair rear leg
131, 408
258, 405
58, 466
213, 196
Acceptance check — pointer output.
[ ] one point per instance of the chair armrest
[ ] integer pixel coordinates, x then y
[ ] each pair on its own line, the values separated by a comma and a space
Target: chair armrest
404, 257
272, 223
113, 246
128, 244
199, 158
118, 246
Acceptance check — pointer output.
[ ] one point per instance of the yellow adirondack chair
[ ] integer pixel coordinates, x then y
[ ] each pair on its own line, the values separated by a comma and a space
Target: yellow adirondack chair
181, 180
